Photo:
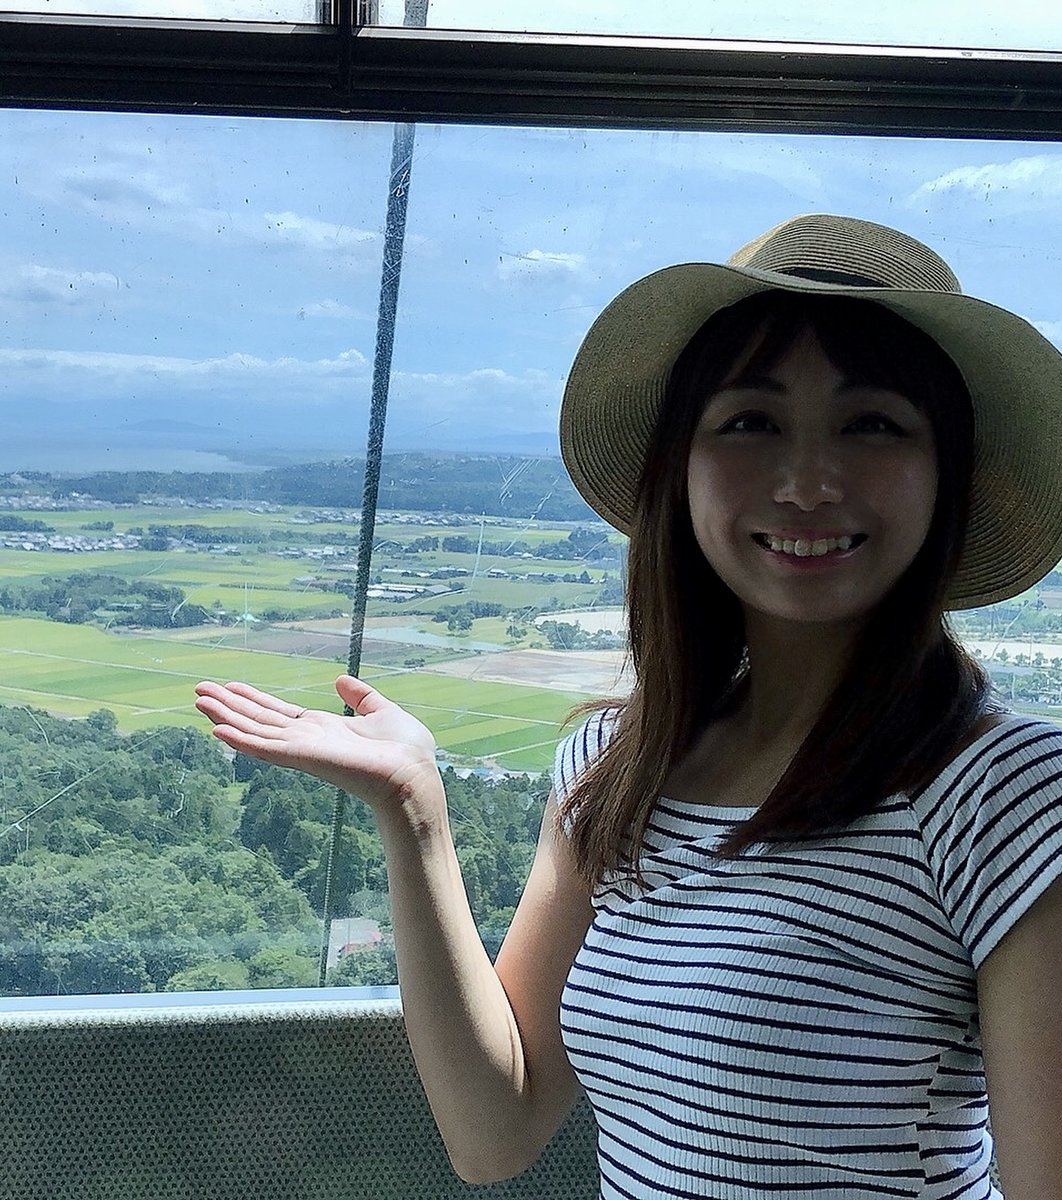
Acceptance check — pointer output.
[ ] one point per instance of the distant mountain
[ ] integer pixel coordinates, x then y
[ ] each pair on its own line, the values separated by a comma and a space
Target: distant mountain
524, 486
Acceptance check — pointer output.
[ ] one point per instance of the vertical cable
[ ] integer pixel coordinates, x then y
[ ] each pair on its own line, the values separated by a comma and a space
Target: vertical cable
394, 238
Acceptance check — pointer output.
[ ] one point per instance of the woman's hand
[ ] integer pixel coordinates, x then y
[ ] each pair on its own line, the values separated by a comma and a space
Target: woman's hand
382, 755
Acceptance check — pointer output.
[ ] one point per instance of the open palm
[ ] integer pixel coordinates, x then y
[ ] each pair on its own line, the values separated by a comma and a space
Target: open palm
378, 755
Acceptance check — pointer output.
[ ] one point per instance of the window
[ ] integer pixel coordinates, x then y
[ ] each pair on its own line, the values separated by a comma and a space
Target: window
188, 309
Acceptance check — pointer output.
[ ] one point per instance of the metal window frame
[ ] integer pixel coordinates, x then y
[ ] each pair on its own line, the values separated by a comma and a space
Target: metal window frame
343, 70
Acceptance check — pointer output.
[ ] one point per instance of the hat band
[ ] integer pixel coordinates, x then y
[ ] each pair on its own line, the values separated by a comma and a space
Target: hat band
827, 276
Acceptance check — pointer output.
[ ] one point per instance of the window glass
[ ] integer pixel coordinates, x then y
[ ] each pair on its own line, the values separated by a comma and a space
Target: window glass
188, 312
1026, 24
285, 11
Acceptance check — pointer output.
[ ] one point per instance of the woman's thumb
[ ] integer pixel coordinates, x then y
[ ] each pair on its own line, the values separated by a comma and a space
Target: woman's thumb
358, 695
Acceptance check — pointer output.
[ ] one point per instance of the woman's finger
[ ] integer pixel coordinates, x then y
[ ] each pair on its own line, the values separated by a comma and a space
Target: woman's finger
360, 696
268, 711
267, 701
224, 714
248, 743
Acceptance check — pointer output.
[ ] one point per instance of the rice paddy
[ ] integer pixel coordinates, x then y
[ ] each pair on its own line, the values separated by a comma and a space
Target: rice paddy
147, 679
72, 670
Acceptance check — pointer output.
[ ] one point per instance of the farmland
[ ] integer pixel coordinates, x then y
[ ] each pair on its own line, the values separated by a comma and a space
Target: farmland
278, 621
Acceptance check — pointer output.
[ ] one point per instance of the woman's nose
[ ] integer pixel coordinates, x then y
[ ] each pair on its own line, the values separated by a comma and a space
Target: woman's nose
809, 476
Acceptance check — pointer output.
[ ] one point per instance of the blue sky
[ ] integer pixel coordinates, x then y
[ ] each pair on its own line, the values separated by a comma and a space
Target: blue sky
201, 292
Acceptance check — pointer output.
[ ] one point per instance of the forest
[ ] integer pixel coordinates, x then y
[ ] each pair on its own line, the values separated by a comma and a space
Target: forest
84, 596
153, 863
495, 485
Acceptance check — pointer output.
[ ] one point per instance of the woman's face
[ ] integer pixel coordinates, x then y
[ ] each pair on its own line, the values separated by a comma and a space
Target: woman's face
786, 462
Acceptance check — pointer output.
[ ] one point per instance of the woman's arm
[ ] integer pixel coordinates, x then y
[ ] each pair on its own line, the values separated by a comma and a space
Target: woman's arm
486, 1042
1018, 990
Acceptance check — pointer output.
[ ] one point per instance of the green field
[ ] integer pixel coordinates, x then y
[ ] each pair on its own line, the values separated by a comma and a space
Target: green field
144, 515
147, 678
73, 669
182, 568
266, 581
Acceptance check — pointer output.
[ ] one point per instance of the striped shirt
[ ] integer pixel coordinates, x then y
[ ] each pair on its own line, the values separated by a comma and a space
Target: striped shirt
804, 1022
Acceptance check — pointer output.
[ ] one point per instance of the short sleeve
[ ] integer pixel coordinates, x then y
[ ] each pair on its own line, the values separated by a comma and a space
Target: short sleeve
992, 827
577, 751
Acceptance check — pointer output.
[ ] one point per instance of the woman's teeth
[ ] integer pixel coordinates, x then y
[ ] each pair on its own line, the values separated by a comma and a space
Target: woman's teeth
803, 548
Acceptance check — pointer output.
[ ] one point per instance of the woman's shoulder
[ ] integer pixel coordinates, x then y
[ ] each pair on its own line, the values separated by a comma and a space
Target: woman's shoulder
1005, 728
582, 746
991, 824
997, 745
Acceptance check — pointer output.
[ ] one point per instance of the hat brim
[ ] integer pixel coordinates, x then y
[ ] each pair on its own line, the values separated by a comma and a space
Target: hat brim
1014, 534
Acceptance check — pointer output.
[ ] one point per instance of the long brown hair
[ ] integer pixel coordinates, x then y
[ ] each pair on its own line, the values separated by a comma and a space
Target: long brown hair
910, 692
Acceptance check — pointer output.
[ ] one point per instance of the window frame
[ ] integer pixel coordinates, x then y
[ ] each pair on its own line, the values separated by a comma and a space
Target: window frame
348, 69
343, 70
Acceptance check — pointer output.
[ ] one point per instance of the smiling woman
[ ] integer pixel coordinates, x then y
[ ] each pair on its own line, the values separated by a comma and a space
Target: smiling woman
822, 384
707, 909
794, 461
188, 293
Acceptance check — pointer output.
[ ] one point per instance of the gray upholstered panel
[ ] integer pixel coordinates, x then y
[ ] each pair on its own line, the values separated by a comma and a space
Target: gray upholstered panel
238, 1102
286, 1101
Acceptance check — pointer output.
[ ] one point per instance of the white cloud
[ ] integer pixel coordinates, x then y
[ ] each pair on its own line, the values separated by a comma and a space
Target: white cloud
32, 283
270, 229
1035, 179
74, 376
493, 379
308, 232
485, 397
540, 264
115, 193
147, 199
83, 372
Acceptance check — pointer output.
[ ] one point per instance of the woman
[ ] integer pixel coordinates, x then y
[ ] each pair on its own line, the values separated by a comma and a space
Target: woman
798, 891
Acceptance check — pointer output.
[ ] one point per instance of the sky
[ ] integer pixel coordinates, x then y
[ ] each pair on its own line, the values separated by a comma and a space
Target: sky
191, 292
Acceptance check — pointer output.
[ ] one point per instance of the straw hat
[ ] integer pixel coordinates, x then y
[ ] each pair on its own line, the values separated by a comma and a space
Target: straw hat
616, 384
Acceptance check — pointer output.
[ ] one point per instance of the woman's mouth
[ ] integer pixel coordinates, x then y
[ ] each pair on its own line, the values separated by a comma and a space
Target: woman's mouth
808, 547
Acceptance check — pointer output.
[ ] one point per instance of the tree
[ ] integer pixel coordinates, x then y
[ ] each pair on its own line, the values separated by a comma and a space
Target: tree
103, 722
372, 967
221, 976
281, 967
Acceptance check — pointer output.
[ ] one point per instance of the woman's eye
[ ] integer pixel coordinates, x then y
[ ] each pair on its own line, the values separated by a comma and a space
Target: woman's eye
874, 423
746, 423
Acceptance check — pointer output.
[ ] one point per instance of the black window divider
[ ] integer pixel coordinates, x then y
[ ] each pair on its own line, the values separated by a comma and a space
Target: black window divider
345, 71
